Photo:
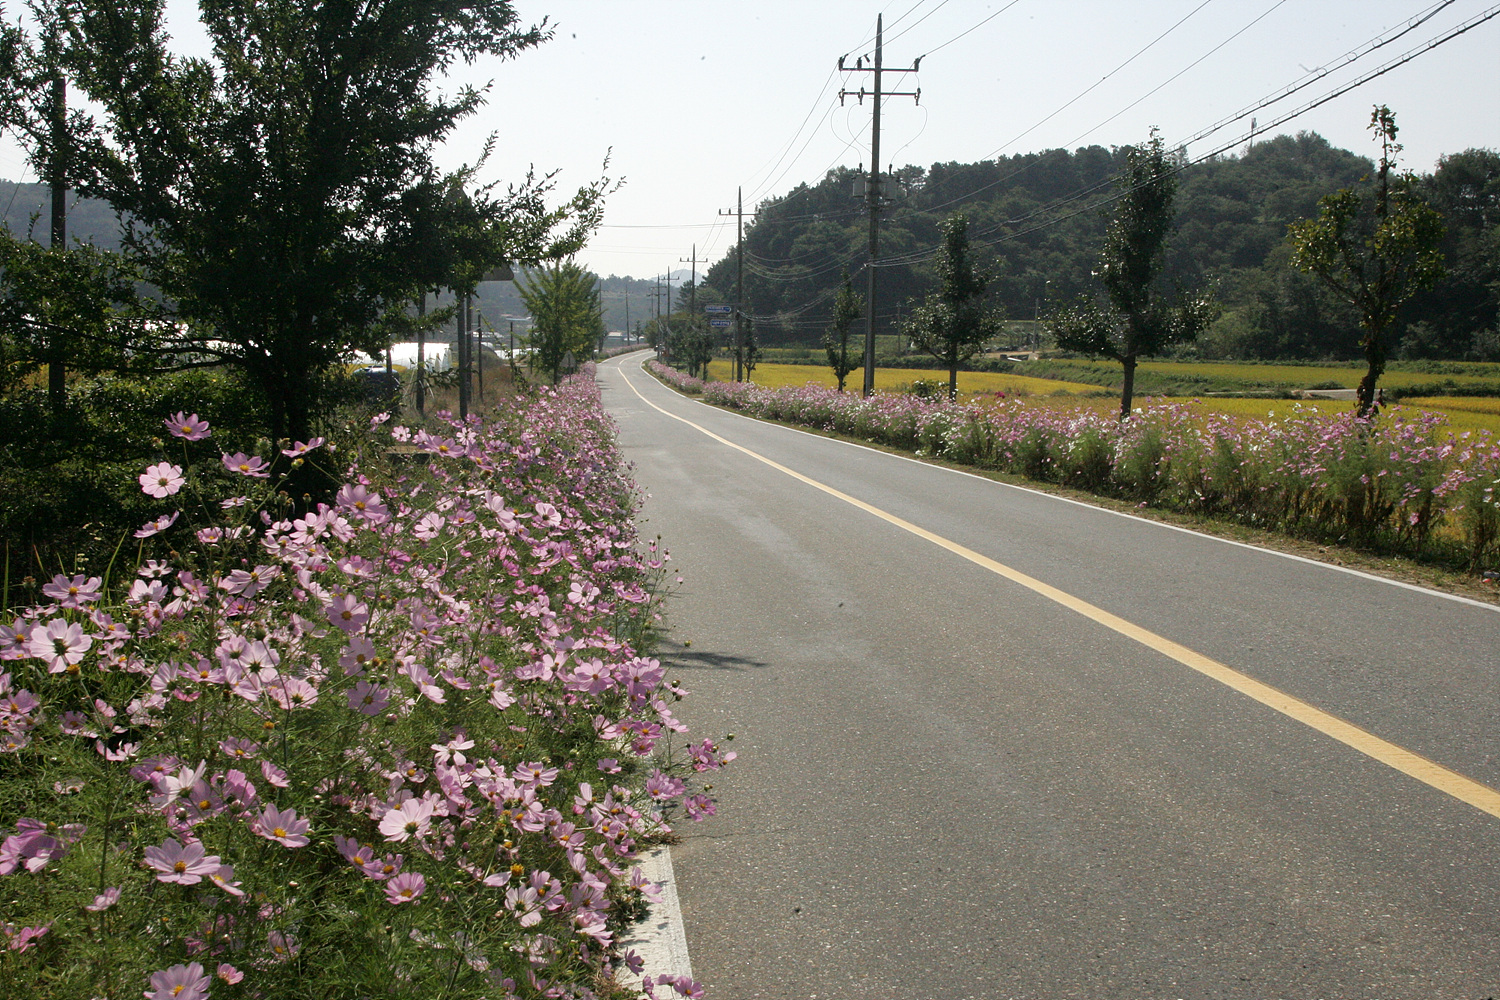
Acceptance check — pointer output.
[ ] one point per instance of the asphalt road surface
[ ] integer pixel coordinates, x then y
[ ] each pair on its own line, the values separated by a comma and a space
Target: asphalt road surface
988, 762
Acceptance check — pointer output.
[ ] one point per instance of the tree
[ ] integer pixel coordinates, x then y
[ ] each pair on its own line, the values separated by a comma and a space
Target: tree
749, 347
954, 324
281, 194
1374, 250
693, 345
846, 309
563, 300
54, 300
1135, 319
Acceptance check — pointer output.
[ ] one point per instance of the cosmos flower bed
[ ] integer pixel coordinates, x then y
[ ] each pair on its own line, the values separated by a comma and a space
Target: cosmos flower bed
404, 745
1400, 479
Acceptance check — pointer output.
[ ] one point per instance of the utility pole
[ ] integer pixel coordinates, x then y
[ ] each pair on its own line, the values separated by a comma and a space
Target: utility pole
479, 352
422, 353
461, 346
872, 187
661, 336
739, 279
693, 293
57, 167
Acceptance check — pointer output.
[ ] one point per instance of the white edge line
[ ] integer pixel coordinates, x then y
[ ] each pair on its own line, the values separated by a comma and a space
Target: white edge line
660, 939
1103, 510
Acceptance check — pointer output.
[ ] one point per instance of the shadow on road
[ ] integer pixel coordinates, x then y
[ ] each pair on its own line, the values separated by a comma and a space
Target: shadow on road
679, 657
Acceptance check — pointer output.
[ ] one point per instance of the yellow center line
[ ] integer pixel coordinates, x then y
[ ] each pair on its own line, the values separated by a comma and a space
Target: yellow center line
1476, 794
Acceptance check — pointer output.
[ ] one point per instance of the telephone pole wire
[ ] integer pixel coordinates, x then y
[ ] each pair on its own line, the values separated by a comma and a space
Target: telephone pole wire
872, 186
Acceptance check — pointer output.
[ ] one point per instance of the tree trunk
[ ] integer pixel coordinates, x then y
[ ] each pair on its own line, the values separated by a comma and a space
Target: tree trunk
1127, 387
1375, 357
952, 380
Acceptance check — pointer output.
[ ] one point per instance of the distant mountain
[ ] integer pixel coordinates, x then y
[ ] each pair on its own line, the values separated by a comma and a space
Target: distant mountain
28, 210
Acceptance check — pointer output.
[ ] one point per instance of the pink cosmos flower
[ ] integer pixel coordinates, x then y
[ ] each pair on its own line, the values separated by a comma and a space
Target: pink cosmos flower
31, 847
74, 593
282, 826
59, 644
239, 749
356, 655
162, 480
229, 973
429, 527
21, 940
291, 692
157, 526
249, 582
187, 427
302, 447
224, 879
103, 901
362, 503
385, 868
353, 851
283, 946
246, 465
274, 774
405, 888
180, 982
368, 698
413, 818
348, 613
186, 864
662, 786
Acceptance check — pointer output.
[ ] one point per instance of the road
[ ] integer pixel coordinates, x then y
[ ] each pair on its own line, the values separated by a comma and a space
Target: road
952, 784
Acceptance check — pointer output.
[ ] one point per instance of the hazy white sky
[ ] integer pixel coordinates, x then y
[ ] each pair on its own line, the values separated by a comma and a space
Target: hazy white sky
698, 97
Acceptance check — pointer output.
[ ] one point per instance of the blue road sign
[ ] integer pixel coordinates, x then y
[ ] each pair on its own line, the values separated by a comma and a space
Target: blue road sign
718, 310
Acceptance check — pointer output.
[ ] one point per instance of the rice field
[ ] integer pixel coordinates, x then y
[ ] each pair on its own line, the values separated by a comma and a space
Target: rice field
1465, 413
773, 376
1298, 376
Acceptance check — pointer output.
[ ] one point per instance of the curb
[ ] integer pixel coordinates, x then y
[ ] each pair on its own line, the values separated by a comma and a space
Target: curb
660, 939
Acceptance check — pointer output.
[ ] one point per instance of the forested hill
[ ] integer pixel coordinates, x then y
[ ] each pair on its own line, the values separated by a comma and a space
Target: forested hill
27, 211
1041, 217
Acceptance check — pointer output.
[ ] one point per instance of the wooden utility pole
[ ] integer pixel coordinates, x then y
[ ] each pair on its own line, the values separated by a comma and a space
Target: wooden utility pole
461, 348
739, 279
872, 185
57, 168
422, 353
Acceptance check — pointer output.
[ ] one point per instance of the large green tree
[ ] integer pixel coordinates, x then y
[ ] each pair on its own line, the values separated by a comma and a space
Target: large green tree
846, 309
281, 193
1135, 319
563, 300
1374, 249
954, 323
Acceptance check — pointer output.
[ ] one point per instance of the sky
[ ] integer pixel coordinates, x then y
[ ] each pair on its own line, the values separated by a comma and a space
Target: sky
692, 101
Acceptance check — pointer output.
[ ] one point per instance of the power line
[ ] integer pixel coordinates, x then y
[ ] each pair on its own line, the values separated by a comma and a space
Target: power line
1089, 89
961, 34
919, 20
1402, 60
1374, 44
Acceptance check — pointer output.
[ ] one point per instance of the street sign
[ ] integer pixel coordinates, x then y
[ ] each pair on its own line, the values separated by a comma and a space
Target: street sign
718, 310
719, 323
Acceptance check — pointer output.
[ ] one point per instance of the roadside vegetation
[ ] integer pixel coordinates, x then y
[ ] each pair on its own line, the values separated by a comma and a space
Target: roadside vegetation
405, 744
305, 690
1399, 482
